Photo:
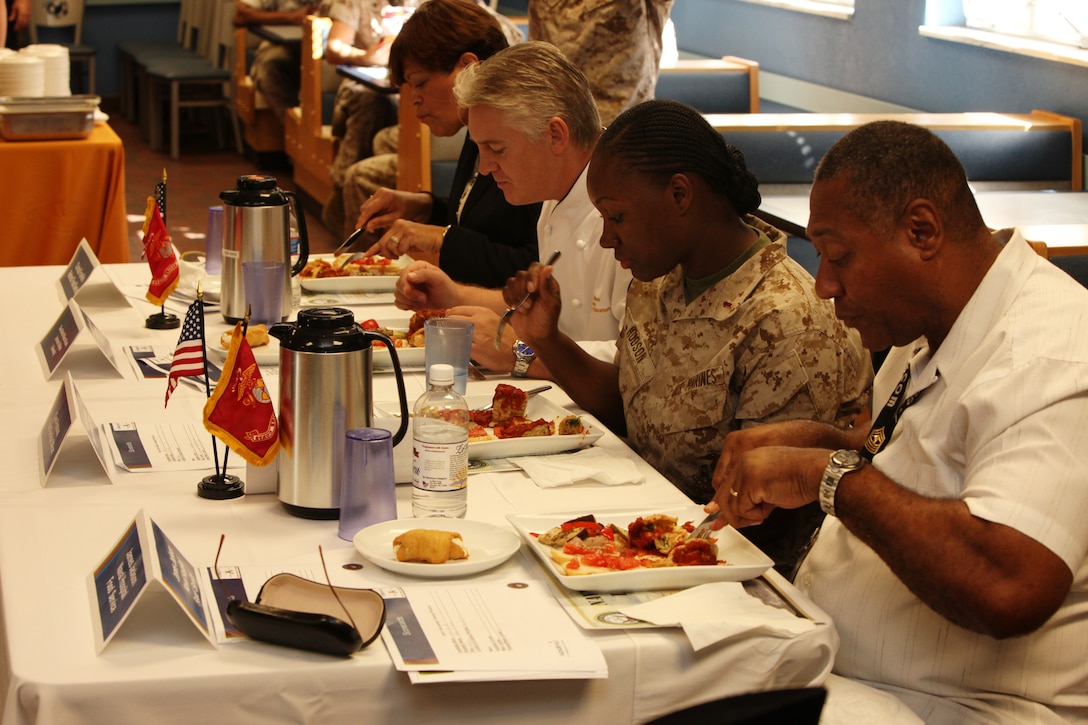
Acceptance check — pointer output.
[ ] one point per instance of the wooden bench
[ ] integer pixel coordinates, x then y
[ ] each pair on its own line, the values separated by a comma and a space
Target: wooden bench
711, 85
307, 139
1037, 150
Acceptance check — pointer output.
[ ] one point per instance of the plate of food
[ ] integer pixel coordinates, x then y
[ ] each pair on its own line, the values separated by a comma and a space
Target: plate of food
627, 550
408, 338
266, 349
341, 273
436, 548
511, 423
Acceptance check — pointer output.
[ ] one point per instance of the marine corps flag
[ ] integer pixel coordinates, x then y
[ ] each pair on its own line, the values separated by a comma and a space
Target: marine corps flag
239, 413
160, 255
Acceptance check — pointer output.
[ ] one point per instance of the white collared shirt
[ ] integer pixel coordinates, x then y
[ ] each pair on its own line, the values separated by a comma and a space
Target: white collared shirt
1004, 427
592, 284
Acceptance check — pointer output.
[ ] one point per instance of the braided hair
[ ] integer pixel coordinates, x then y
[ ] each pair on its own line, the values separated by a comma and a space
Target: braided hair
662, 138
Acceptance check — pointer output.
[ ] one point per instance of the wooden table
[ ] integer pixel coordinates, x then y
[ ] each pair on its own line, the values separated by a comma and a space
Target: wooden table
58, 192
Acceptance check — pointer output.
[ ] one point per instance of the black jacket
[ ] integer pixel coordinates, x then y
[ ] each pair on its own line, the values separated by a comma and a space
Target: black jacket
494, 239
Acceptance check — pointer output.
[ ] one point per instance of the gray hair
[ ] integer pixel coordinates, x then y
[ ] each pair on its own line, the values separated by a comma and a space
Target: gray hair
531, 83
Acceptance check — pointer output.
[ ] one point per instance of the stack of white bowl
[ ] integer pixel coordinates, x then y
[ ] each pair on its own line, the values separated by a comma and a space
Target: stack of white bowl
57, 67
22, 75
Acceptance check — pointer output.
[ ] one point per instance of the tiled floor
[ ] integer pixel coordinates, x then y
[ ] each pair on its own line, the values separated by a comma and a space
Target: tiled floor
193, 184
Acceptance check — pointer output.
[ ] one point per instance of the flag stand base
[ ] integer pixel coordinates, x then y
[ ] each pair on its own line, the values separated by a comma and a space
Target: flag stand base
220, 487
162, 321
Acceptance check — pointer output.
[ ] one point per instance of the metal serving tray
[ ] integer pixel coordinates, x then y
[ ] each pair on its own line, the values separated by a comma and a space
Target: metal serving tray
42, 119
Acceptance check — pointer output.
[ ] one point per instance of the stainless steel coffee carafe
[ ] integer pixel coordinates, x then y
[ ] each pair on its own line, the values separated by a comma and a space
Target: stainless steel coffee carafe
257, 227
325, 391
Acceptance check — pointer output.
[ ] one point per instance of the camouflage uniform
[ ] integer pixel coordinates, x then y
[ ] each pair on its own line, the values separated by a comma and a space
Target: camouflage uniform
358, 113
363, 178
616, 43
275, 68
757, 346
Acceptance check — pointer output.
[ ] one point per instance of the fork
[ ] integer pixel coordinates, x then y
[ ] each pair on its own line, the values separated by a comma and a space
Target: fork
511, 310
703, 530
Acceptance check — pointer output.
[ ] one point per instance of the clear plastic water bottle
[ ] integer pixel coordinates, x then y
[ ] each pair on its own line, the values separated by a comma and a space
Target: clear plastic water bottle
440, 427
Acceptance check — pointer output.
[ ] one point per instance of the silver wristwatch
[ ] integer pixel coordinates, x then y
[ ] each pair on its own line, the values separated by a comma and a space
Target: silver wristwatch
523, 357
842, 462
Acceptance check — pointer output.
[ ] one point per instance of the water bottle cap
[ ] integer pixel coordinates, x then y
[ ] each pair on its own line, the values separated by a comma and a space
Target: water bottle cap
441, 374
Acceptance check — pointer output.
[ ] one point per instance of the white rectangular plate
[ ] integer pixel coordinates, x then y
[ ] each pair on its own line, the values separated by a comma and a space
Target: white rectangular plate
376, 283
410, 357
538, 407
745, 561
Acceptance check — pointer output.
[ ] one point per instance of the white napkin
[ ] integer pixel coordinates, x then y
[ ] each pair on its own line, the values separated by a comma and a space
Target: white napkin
589, 464
711, 613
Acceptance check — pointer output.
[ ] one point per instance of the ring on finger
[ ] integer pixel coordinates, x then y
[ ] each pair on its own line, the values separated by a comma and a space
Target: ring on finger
733, 492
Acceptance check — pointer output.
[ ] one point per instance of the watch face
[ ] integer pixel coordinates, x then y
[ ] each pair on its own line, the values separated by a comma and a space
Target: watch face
846, 458
523, 349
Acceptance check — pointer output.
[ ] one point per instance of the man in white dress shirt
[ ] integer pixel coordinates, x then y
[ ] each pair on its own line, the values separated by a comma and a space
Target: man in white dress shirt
954, 559
532, 115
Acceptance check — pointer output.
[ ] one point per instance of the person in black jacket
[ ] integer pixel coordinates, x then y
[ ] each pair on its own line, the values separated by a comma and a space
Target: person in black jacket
474, 235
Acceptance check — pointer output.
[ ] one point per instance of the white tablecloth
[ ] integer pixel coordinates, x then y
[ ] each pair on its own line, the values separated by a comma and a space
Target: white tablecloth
159, 669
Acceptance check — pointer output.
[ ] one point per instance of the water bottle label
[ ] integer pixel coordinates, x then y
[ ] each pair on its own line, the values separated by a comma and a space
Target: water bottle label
439, 466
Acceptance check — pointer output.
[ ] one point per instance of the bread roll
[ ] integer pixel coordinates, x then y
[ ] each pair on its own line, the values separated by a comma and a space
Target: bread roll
429, 546
256, 335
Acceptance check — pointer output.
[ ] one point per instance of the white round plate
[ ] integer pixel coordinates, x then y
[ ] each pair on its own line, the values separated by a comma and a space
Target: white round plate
488, 546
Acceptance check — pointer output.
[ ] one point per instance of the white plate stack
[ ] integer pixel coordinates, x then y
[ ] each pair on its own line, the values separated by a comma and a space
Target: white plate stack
57, 67
22, 76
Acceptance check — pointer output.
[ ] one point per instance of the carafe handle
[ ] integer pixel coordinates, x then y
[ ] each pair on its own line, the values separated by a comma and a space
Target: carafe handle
303, 237
402, 397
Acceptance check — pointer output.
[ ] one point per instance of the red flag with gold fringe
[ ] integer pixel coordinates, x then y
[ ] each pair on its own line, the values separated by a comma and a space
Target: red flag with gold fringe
240, 413
160, 255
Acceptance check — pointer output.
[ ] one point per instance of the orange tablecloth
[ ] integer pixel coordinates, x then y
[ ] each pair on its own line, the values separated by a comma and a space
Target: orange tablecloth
58, 192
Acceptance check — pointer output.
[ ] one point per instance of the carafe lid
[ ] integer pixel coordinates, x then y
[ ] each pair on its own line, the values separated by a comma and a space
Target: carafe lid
322, 330
255, 190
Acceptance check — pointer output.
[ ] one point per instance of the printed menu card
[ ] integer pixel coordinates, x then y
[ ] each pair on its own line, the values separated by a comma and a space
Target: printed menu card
485, 632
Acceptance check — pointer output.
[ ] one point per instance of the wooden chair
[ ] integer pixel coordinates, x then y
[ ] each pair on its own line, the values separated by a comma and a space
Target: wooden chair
200, 81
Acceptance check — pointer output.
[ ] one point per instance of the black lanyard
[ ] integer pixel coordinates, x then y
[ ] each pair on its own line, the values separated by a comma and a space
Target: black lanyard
889, 416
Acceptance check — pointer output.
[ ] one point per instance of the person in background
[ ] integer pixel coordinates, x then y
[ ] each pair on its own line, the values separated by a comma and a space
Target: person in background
954, 558
474, 234
276, 67
618, 45
723, 331
361, 35
533, 118
16, 16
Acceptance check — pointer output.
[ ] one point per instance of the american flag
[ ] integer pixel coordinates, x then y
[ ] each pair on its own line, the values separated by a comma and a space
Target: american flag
160, 195
189, 354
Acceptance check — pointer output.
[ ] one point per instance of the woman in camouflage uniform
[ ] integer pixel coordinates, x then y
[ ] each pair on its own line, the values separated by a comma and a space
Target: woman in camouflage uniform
722, 329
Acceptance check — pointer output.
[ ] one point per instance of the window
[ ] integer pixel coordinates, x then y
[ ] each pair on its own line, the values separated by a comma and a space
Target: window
1054, 30
1056, 21
840, 9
